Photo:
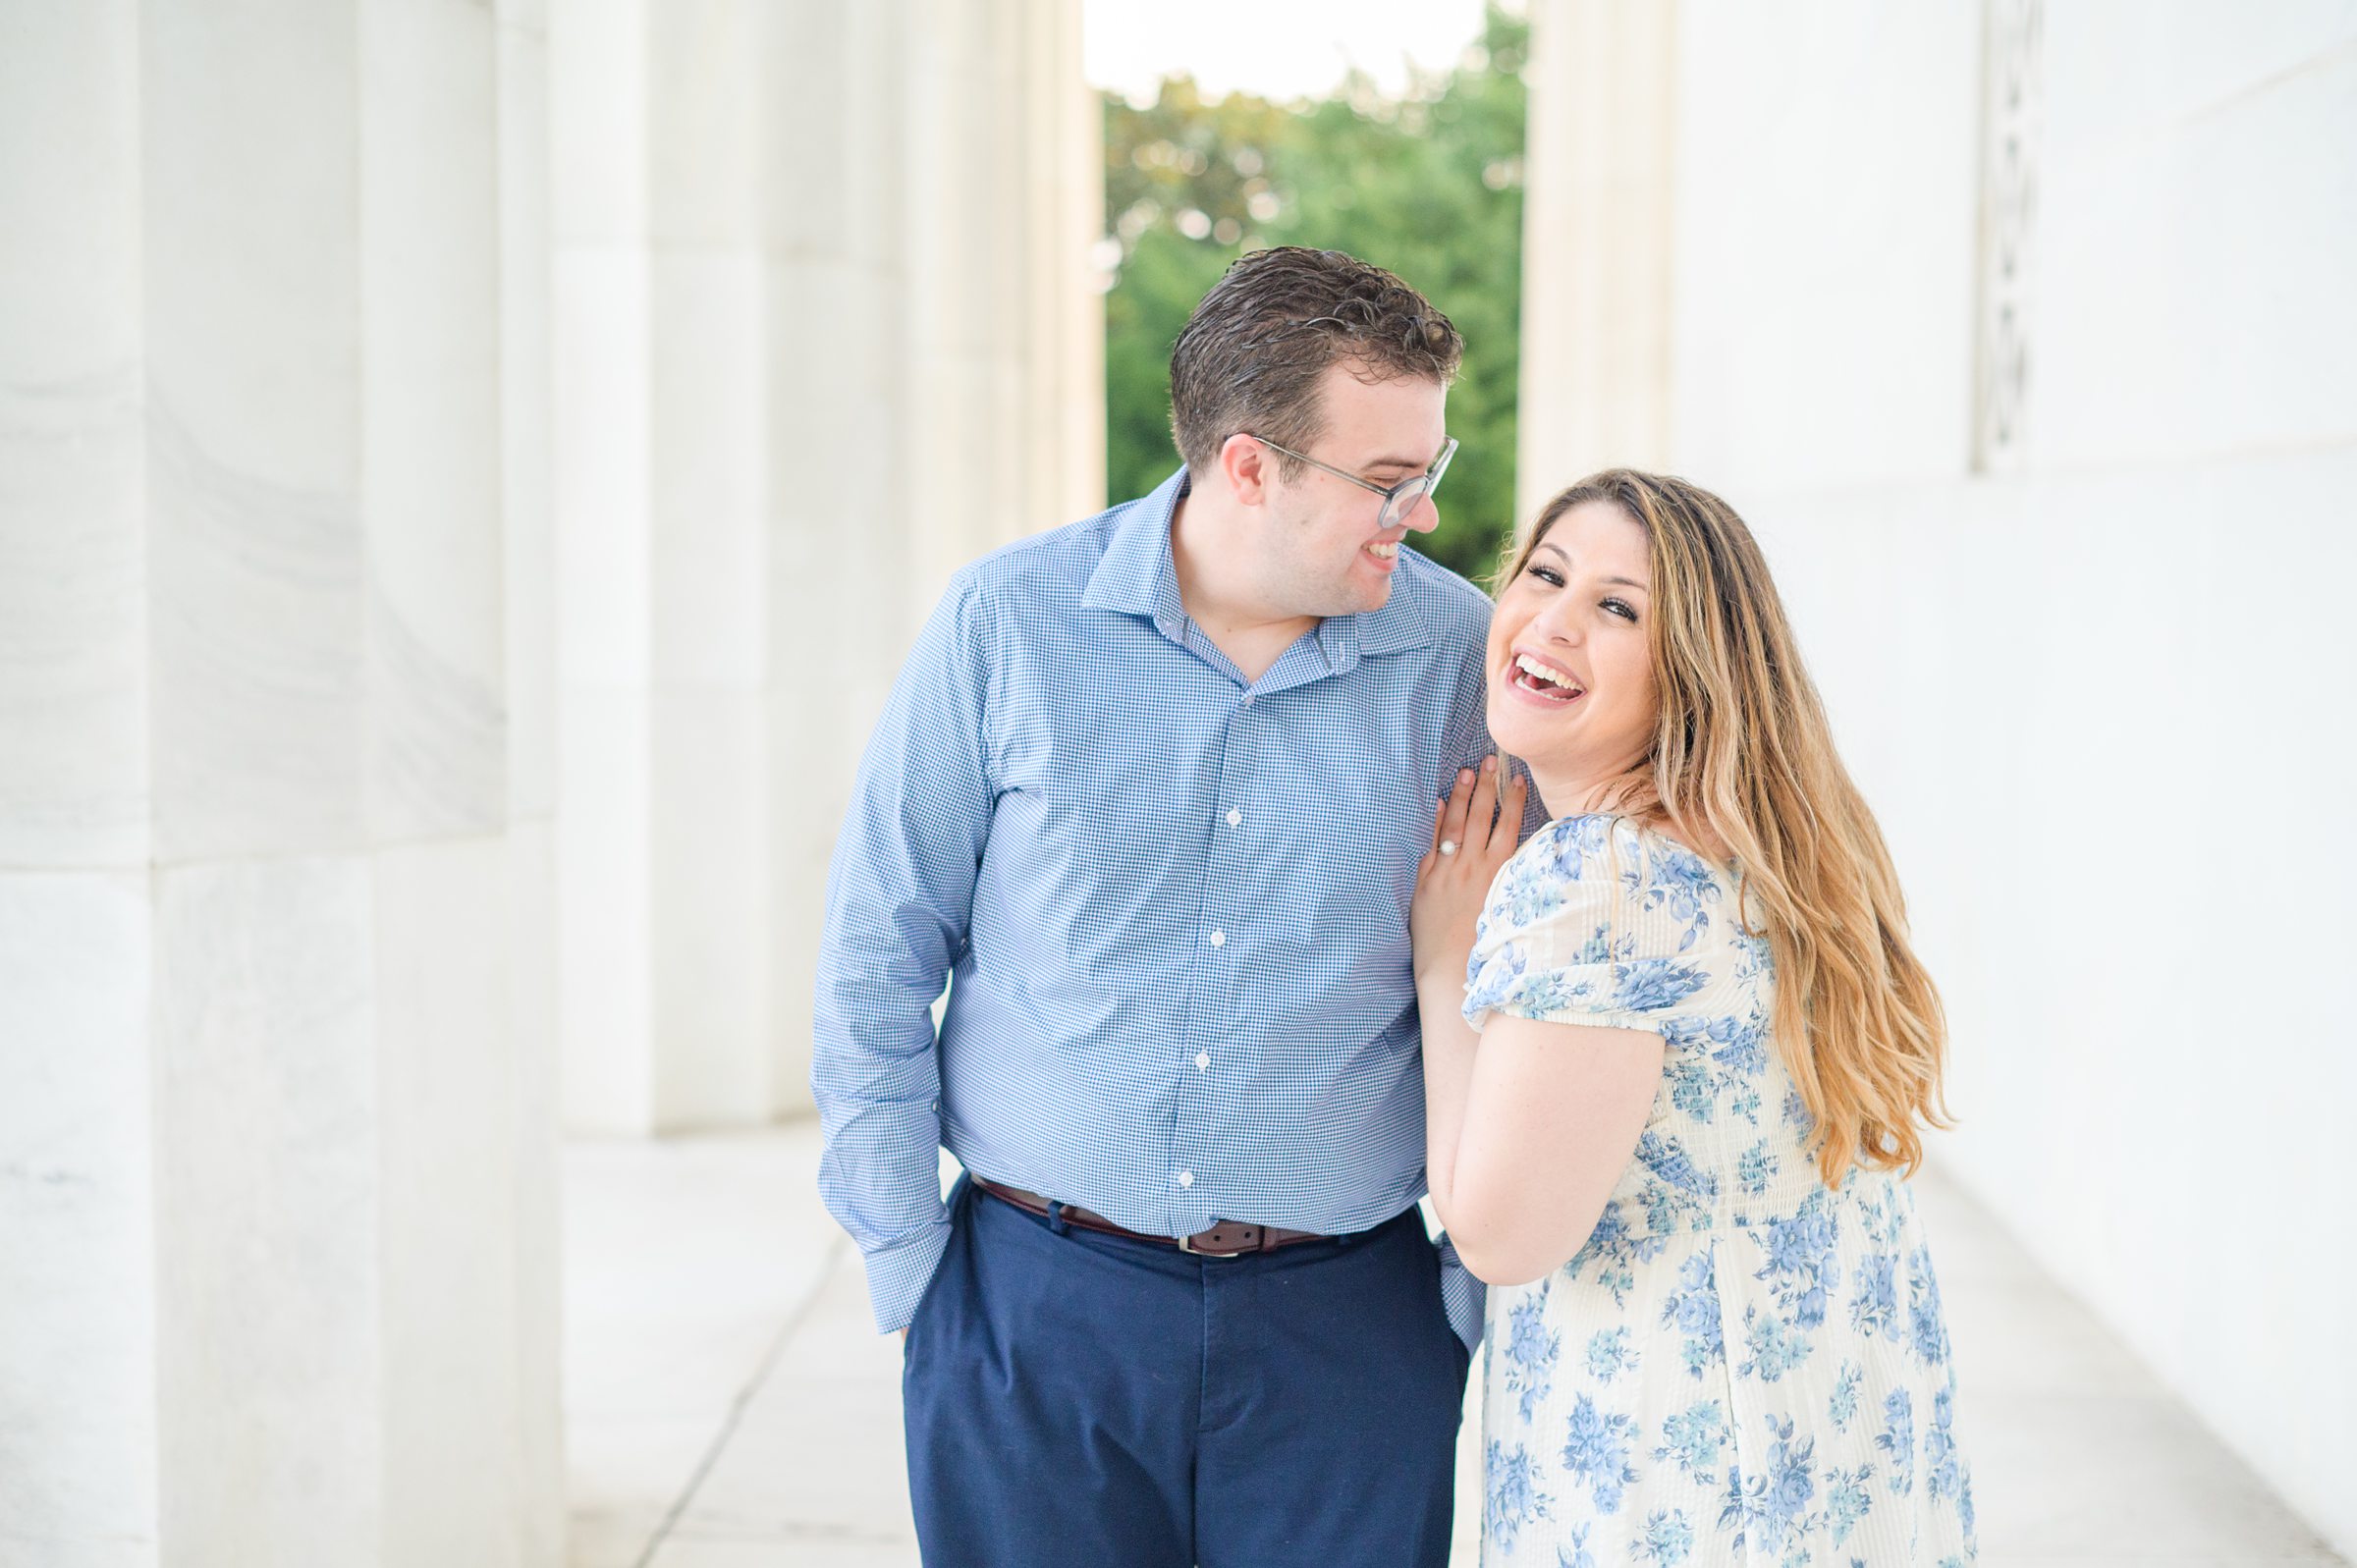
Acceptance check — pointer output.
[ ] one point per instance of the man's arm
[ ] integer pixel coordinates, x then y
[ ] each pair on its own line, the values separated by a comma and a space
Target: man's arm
1466, 746
900, 897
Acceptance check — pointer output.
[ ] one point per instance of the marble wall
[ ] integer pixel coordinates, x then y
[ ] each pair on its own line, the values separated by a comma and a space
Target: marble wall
2085, 656
276, 1149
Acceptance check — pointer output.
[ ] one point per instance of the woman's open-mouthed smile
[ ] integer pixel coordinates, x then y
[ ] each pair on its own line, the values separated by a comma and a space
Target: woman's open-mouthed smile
1570, 659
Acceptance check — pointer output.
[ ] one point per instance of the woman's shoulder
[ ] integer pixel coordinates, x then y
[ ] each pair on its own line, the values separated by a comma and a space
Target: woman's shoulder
1631, 853
1606, 870
1600, 920
1566, 864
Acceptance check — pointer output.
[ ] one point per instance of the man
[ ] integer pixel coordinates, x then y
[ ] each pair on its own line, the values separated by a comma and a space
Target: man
1150, 793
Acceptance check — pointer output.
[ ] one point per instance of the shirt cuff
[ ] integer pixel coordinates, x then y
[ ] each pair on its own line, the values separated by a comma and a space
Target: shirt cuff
1463, 1296
898, 1274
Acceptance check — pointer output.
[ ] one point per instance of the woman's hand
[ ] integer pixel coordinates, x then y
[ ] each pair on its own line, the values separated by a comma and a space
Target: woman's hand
1474, 833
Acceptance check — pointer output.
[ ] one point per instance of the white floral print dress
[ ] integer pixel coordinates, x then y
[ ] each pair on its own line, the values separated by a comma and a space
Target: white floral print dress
1740, 1366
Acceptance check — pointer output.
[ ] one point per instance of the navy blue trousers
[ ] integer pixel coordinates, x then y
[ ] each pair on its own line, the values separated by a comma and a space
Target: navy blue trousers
1077, 1400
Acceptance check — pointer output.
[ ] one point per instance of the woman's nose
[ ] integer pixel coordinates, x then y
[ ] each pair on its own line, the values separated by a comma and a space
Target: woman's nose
1558, 621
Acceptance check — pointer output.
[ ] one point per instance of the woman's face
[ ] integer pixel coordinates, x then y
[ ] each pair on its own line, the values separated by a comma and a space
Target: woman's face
1570, 659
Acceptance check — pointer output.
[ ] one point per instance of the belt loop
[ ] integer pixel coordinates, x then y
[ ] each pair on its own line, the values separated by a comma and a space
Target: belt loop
1055, 1220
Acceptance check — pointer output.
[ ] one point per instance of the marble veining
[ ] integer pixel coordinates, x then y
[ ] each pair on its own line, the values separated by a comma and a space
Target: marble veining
437, 737
73, 634
256, 620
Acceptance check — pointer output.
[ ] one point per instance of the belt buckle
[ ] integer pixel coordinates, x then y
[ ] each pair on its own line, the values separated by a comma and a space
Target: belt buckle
1186, 1244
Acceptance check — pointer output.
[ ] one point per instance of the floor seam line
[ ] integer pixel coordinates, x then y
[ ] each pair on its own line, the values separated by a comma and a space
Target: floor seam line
794, 1318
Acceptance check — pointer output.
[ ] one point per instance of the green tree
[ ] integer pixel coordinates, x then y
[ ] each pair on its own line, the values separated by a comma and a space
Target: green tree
1428, 184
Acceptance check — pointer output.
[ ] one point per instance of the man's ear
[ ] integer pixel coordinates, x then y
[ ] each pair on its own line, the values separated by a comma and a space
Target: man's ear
1244, 465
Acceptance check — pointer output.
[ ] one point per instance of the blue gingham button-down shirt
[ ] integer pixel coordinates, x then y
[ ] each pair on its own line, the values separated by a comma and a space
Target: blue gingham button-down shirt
1170, 905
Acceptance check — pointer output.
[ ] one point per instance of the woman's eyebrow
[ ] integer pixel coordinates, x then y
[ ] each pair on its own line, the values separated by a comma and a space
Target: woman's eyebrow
1623, 582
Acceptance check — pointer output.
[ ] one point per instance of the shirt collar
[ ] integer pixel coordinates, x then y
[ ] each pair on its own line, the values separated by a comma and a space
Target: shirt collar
1136, 578
1136, 575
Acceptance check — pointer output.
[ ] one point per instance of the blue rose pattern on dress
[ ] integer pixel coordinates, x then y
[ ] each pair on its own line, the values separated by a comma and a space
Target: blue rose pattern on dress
1842, 1408
1596, 1451
1531, 1351
1511, 1478
1611, 1353
1691, 1440
1740, 1366
1898, 1440
1668, 1539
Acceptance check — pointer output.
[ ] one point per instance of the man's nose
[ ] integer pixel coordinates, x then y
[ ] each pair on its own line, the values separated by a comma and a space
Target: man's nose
1423, 516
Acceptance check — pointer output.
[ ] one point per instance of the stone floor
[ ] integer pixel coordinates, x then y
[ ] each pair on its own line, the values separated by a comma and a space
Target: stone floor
730, 1407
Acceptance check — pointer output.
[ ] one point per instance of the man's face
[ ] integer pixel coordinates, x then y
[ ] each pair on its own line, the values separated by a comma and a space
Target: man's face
1320, 551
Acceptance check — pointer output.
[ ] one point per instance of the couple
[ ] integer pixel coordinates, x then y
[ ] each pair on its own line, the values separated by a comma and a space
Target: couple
1250, 943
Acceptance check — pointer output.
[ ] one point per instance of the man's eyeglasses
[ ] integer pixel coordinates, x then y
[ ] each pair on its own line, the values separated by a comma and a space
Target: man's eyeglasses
1400, 499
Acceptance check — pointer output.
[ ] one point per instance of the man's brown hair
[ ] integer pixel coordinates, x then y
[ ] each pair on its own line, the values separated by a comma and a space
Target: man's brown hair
1250, 358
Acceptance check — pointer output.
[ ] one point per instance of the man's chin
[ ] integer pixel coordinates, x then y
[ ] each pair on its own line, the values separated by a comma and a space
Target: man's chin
1361, 595
1351, 597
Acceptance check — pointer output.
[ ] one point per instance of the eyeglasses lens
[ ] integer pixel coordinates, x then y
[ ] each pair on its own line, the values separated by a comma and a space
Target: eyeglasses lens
1405, 501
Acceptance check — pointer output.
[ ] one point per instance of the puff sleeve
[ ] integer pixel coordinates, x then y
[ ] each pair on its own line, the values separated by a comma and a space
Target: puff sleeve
1595, 922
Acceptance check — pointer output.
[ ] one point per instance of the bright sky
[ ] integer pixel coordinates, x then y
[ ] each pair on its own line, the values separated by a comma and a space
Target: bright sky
1275, 48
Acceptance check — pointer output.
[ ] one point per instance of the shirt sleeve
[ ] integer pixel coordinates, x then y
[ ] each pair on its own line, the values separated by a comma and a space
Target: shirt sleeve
1590, 924
900, 898
1463, 1297
1468, 738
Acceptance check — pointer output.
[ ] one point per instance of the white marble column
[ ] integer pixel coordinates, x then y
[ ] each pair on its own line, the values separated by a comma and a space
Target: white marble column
666, 935
78, 1285
538, 1526
276, 1164
1597, 262
936, 370
826, 333
1005, 196
836, 444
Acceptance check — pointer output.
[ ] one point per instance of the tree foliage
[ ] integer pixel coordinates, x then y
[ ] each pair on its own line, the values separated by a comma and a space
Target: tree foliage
1428, 184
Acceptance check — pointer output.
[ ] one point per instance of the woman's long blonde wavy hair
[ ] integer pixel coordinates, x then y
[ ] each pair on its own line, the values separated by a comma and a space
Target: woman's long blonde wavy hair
1742, 758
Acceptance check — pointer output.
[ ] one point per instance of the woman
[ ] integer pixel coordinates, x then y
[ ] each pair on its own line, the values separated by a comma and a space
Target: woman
1676, 1072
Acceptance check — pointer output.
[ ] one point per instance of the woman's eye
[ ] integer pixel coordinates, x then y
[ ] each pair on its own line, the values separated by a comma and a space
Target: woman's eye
1620, 608
1548, 575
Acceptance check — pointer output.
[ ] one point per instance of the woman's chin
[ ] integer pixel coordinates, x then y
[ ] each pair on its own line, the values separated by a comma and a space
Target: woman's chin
1519, 732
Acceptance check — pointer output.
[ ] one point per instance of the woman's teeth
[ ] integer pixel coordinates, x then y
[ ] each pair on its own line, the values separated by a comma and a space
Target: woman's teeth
1532, 675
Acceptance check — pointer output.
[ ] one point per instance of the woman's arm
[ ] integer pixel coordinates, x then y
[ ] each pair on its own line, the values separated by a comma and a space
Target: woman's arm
1546, 1122
1450, 892
1527, 1125
1448, 1057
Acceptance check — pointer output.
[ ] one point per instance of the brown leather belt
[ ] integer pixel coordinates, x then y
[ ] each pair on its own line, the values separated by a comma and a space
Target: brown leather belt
1226, 1239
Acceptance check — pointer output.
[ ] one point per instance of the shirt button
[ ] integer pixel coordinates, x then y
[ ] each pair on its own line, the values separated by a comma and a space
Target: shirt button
1202, 1061
1186, 1178
1219, 939
1247, 699
1233, 816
